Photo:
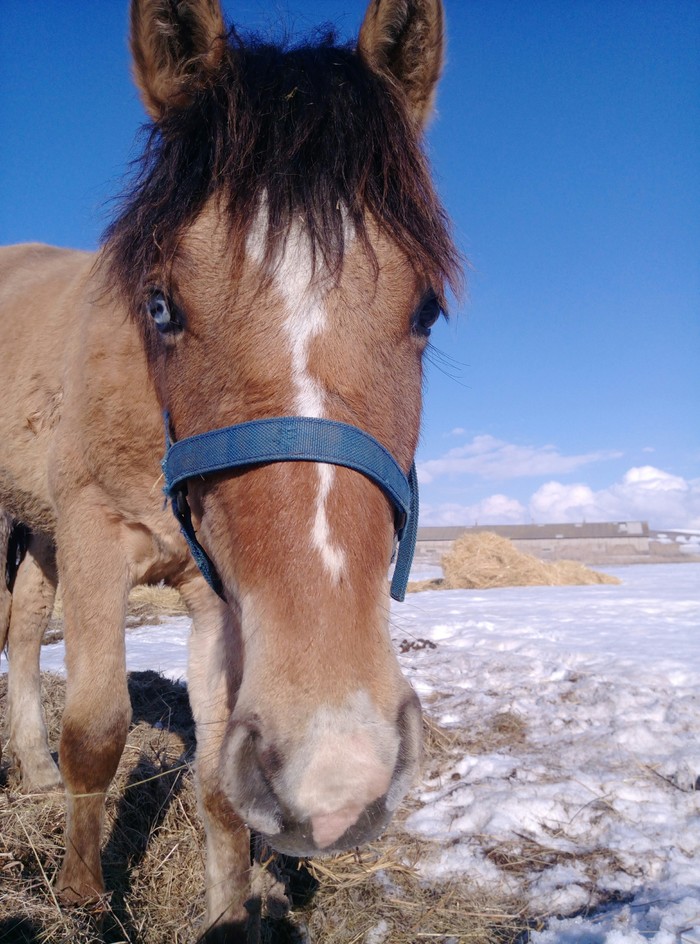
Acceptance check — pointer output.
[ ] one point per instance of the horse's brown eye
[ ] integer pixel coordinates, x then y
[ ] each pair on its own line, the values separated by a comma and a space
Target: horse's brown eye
426, 315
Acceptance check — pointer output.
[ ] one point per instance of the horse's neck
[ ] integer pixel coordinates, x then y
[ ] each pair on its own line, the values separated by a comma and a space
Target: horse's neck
114, 410
111, 440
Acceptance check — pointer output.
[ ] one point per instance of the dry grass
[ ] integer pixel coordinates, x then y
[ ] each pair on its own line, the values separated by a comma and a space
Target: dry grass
150, 605
154, 846
485, 560
153, 855
501, 731
154, 865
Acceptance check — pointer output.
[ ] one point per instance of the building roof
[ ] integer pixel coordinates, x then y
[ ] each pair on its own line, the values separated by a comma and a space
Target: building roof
533, 532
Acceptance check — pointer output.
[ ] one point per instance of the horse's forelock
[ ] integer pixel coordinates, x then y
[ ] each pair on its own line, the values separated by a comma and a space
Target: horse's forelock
324, 138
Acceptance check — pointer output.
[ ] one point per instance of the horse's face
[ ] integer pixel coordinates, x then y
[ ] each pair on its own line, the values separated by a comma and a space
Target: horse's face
324, 734
304, 548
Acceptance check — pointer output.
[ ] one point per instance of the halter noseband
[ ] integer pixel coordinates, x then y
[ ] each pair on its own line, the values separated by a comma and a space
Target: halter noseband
290, 439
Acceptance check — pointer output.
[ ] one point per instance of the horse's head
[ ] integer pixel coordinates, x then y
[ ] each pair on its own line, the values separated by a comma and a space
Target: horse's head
285, 255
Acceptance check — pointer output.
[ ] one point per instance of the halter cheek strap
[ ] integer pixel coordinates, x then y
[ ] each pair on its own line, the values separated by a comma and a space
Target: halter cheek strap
290, 439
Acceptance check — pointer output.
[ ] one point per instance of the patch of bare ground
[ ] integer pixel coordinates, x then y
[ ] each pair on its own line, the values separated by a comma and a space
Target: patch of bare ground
524, 856
153, 855
501, 731
485, 561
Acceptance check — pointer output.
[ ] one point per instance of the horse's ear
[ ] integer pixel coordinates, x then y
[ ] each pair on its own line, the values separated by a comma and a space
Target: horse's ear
176, 45
405, 39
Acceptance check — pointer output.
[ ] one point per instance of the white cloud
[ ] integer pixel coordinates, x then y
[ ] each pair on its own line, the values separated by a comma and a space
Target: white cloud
496, 509
457, 431
555, 502
645, 493
492, 458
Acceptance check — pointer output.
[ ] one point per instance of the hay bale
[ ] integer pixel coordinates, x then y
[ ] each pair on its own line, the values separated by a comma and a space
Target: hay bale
485, 560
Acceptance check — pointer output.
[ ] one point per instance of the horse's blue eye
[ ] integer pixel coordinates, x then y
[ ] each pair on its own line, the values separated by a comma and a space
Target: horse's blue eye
160, 309
426, 315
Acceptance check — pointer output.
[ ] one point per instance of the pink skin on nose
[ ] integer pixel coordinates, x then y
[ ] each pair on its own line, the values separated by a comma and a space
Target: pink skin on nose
339, 784
329, 827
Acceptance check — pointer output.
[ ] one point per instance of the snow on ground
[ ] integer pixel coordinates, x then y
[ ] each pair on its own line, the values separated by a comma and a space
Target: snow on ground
604, 783
607, 682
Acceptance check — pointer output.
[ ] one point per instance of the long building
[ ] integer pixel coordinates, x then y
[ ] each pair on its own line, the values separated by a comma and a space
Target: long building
621, 542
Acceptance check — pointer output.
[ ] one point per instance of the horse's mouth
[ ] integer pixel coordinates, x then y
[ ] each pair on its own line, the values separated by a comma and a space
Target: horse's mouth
303, 839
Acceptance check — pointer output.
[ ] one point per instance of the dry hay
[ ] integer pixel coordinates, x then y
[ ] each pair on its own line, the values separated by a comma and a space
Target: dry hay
154, 847
154, 854
149, 605
485, 560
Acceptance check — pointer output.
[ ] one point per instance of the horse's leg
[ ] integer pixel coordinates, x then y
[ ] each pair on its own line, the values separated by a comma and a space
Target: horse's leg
5, 595
214, 669
94, 579
32, 602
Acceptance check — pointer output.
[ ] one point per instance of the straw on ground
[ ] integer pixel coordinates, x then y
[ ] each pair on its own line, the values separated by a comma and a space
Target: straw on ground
153, 853
485, 560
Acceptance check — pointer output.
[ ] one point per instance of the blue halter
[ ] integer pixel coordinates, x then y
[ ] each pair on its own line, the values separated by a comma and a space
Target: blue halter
290, 439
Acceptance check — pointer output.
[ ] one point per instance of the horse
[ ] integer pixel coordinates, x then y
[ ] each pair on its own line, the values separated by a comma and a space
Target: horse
280, 253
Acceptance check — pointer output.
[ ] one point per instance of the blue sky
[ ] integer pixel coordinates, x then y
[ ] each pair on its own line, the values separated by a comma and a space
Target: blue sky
566, 147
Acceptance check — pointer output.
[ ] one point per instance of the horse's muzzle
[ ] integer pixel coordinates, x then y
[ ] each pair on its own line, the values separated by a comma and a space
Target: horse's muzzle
336, 791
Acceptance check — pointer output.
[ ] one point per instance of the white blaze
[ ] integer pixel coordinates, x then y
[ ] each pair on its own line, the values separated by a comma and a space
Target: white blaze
306, 319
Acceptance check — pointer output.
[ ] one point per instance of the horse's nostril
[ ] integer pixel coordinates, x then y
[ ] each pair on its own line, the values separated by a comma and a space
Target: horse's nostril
247, 780
409, 723
334, 789
271, 761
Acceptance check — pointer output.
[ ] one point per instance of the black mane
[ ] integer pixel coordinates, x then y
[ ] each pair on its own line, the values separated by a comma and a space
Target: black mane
313, 128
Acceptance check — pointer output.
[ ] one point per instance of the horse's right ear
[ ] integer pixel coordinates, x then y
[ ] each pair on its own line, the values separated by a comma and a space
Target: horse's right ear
404, 40
176, 46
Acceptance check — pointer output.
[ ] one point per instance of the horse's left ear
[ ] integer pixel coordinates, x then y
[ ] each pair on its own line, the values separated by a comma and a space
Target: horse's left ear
405, 40
176, 45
